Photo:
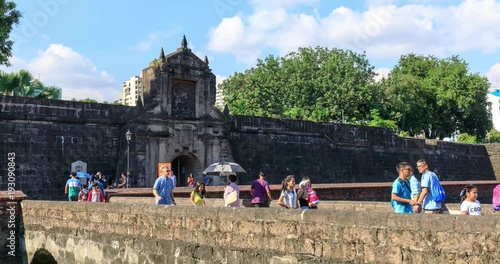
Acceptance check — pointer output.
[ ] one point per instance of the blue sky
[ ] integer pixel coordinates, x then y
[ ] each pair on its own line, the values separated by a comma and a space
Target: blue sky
89, 48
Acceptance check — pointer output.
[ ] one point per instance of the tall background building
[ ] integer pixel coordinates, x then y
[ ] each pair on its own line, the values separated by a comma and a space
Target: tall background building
131, 91
219, 92
494, 107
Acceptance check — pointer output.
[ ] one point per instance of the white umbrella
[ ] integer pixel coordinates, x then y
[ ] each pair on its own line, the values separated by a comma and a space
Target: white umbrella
224, 168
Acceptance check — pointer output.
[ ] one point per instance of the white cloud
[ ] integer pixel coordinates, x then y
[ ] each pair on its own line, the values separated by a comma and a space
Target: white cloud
76, 74
384, 30
381, 73
266, 4
219, 79
155, 38
493, 75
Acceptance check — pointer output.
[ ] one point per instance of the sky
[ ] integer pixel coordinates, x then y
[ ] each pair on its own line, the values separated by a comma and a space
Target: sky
89, 48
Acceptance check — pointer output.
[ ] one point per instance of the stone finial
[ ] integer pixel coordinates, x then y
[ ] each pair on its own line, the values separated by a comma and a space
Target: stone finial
206, 60
184, 43
226, 110
162, 55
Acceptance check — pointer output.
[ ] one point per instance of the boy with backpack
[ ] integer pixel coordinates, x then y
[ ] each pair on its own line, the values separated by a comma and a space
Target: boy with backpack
433, 195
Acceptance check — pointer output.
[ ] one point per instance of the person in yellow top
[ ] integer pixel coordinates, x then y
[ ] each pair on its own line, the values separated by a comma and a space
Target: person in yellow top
198, 195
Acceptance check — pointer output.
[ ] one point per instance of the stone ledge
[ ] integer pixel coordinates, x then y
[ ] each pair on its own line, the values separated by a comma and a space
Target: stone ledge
319, 234
9, 196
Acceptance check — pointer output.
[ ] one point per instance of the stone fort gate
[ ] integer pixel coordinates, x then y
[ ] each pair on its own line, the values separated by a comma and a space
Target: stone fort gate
184, 128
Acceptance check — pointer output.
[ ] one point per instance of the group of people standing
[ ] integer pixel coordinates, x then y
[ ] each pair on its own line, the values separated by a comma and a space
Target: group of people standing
304, 197
411, 196
93, 192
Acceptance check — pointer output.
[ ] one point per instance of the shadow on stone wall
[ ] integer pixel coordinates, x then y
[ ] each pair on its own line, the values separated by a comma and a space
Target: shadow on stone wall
43, 256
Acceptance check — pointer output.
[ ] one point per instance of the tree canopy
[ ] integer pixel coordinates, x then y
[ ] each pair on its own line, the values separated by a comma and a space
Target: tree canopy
22, 83
436, 97
9, 17
85, 100
317, 84
422, 94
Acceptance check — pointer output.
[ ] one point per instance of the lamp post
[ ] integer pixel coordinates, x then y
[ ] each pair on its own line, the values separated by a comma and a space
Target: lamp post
128, 135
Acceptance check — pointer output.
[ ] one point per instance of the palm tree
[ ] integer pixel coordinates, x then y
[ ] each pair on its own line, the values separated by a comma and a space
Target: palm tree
22, 83
16, 84
50, 92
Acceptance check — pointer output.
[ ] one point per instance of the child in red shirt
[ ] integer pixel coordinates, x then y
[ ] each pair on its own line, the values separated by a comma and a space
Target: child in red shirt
95, 195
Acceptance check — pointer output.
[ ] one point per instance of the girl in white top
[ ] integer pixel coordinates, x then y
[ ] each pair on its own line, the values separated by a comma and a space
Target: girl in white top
288, 197
470, 205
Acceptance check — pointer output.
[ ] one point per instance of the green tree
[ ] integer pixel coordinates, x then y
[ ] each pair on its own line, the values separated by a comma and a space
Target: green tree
466, 138
9, 17
22, 83
86, 100
436, 97
317, 84
50, 92
377, 121
494, 136
16, 83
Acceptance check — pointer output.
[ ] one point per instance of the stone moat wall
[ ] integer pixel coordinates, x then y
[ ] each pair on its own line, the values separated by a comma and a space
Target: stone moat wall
48, 135
336, 153
138, 233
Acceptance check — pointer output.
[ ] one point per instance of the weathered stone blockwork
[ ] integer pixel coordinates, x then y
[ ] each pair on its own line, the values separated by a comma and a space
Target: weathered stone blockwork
337, 153
494, 154
48, 135
128, 233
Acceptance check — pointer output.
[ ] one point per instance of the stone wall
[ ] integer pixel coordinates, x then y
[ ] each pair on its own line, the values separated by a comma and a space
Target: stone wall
48, 135
338, 153
494, 154
133, 233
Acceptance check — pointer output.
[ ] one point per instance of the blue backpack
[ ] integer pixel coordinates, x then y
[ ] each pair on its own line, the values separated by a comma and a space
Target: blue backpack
438, 193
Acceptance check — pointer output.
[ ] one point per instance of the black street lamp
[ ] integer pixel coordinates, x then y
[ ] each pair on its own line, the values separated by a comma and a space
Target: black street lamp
128, 135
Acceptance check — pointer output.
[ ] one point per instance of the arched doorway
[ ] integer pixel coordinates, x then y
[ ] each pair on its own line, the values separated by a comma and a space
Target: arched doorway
183, 165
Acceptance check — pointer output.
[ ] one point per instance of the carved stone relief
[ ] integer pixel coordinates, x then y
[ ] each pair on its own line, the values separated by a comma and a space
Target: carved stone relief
183, 98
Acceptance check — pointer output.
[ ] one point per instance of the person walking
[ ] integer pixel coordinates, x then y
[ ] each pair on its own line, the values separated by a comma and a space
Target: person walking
426, 199
95, 195
401, 191
197, 196
288, 197
469, 204
229, 190
163, 188
415, 191
73, 188
190, 180
259, 189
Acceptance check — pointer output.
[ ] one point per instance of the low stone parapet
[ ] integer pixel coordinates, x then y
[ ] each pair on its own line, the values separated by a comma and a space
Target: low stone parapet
144, 233
453, 208
368, 191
